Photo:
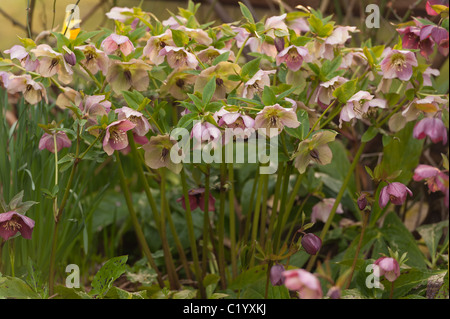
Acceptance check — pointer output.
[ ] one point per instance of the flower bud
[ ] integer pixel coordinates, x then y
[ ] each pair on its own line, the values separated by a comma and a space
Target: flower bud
279, 44
276, 277
334, 293
70, 58
362, 201
311, 243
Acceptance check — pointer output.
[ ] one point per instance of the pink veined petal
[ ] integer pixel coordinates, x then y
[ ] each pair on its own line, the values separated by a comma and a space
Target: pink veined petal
289, 119
384, 197
425, 171
230, 118
248, 121
406, 73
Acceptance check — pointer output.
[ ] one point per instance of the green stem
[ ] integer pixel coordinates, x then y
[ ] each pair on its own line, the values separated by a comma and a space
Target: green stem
297, 215
191, 234
232, 220
274, 213
337, 201
250, 206
205, 223
221, 223
135, 221
262, 225
284, 191
238, 55
12, 257
358, 248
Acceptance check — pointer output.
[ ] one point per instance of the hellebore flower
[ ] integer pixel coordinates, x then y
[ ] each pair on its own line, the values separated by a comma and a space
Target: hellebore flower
432, 127
94, 106
178, 84
116, 138
324, 94
172, 23
340, 35
321, 211
276, 275
117, 13
314, 149
388, 267
210, 53
114, 42
299, 25
257, 83
430, 3
311, 243
20, 53
358, 106
417, 38
398, 64
223, 85
435, 179
293, 56
33, 91
68, 97
307, 285
48, 141
395, 193
51, 63
241, 124
135, 117
95, 59
125, 75
275, 23
12, 222
276, 117
197, 200
155, 44
206, 133
179, 57
157, 153
199, 35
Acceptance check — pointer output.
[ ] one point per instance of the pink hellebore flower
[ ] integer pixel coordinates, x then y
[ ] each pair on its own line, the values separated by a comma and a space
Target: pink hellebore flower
324, 94
431, 3
116, 138
432, 127
275, 117
141, 122
172, 23
340, 35
241, 124
96, 60
114, 42
435, 179
257, 83
398, 64
93, 106
395, 193
48, 141
51, 63
358, 106
414, 38
435, 34
158, 153
275, 23
210, 53
20, 53
307, 285
388, 267
197, 200
294, 57
321, 211
155, 44
179, 57
12, 222
33, 91
206, 133
116, 13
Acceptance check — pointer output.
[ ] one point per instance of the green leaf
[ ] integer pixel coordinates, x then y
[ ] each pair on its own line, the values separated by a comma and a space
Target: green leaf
179, 38
431, 235
106, 276
133, 99
246, 13
250, 68
268, 96
209, 90
369, 134
221, 58
13, 287
344, 92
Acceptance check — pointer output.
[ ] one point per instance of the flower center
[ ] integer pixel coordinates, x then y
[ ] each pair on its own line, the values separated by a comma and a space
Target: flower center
12, 225
398, 61
180, 83
164, 154
392, 198
54, 63
117, 135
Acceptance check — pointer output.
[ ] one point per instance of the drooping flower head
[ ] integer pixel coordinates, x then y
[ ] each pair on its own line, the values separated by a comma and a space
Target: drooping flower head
358, 106
32, 91
321, 211
257, 83
13, 222
324, 95
398, 64
293, 56
125, 75
197, 200
275, 117
94, 106
395, 193
276, 275
47, 141
20, 53
221, 72
311, 243
306, 284
116, 138
141, 122
157, 153
114, 43
179, 57
155, 44
434, 177
95, 59
51, 63
388, 267
314, 149
432, 127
